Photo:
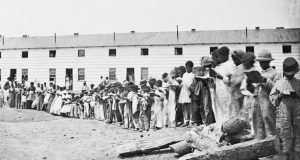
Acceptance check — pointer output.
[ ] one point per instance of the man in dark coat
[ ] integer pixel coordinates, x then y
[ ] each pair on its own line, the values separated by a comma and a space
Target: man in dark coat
10, 85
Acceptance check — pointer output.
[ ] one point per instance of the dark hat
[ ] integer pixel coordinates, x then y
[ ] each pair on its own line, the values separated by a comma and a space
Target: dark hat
143, 82
145, 88
118, 85
290, 66
111, 90
10, 78
152, 80
264, 55
134, 88
248, 57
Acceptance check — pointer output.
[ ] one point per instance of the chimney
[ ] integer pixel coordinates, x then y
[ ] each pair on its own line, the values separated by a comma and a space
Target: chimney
257, 28
132, 32
279, 27
76, 34
193, 30
25, 36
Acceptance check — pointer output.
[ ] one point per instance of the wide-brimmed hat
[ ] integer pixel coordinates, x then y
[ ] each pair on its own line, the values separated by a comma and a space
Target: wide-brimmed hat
290, 66
206, 61
264, 55
143, 82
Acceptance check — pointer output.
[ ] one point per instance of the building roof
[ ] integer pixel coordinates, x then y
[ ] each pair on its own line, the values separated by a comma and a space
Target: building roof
291, 35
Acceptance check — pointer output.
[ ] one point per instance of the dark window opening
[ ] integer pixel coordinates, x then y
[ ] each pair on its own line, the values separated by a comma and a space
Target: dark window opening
112, 52
81, 74
81, 53
144, 73
112, 74
286, 49
0, 55
24, 54
52, 53
24, 74
144, 51
52, 75
211, 49
178, 51
250, 49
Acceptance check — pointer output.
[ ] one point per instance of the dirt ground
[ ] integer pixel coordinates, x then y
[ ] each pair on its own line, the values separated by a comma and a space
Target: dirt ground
30, 135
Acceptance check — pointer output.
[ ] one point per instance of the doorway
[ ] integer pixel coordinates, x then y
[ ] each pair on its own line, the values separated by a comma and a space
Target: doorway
130, 74
13, 73
69, 79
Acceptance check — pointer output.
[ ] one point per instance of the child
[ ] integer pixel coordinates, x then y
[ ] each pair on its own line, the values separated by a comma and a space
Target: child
86, 102
158, 105
23, 98
286, 95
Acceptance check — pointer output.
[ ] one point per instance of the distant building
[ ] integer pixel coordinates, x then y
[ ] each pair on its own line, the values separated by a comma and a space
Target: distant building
68, 60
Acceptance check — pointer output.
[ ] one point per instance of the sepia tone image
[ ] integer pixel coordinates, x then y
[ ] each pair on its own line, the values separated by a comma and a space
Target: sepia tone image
149, 79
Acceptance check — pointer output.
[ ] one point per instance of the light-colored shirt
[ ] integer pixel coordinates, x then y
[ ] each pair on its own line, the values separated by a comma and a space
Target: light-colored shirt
187, 80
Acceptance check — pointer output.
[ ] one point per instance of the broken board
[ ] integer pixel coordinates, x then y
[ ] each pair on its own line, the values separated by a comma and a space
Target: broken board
145, 147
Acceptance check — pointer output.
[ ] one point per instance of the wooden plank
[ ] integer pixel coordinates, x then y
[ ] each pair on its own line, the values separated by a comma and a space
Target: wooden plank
242, 151
145, 147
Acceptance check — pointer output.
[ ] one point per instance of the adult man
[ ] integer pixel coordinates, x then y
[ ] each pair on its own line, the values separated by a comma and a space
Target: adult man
10, 86
269, 77
286, 95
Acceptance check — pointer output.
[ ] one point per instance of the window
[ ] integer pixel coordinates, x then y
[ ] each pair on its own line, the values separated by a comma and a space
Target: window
178, 51
24, 74
81, 53
112, 52
250, 49
52, 53
112, 74
286, 49
81, 73
144, 51
0, 74
0, 55
144, 73
211, 49
52, 73
24, 54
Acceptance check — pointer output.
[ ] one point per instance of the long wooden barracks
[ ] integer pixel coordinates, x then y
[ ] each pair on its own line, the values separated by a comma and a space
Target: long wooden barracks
71, 59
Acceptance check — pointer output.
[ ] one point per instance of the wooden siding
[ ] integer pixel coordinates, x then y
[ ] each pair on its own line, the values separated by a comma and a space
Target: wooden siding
97, 61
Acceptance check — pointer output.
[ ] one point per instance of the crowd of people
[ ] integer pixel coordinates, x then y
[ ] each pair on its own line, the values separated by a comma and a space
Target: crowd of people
226, 85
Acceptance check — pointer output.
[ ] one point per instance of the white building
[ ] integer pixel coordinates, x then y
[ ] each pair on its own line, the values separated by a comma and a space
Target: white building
118, 56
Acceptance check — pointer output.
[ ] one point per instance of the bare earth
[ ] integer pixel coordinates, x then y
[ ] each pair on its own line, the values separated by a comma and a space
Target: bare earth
30, 134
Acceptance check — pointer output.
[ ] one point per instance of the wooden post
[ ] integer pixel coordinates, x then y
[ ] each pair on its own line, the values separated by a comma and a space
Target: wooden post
242, 151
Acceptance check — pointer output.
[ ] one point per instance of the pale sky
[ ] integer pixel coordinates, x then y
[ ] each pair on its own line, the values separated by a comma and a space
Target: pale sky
46, 17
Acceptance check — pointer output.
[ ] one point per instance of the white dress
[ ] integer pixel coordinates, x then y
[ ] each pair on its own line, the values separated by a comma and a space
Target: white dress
68, 106
223, 91
56, 105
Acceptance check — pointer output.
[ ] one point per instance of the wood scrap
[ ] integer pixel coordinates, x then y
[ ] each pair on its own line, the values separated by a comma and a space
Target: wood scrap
242, 151
242, 136
182, 148
146, 147
234, 126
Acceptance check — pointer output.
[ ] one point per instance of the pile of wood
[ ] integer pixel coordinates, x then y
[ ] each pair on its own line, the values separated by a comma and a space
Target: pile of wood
232, 141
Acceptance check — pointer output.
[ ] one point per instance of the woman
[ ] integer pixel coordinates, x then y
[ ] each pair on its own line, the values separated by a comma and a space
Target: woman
51, 97
57, 103
66, 109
